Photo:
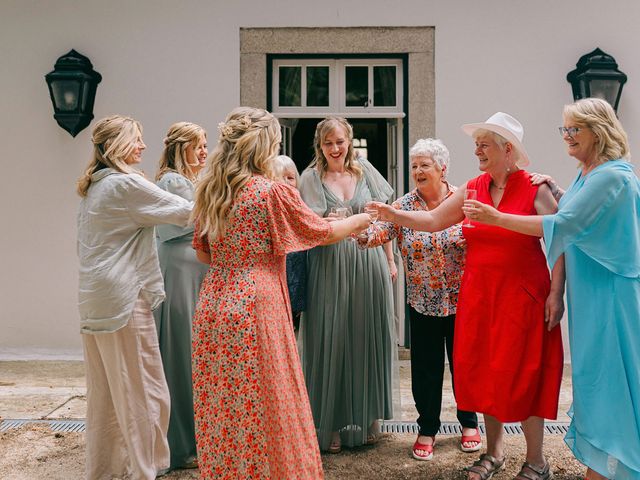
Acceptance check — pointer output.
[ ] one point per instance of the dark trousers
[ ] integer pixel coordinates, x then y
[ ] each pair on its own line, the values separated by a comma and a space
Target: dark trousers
429, 335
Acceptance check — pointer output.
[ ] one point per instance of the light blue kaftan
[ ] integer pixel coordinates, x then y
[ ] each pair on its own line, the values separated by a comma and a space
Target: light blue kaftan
597, 227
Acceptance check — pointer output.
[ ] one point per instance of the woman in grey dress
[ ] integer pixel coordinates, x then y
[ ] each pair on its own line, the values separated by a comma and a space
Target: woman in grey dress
184, 155
348, 332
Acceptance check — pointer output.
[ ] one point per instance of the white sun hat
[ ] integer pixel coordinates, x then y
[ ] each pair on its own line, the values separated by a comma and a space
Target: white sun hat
506, 126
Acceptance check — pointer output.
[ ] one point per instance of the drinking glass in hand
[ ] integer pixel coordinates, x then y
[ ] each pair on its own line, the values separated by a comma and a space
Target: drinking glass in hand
372, 211
469, 194
341, 212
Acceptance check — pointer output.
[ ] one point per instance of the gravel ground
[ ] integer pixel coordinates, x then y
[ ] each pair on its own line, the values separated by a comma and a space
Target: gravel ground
34, 452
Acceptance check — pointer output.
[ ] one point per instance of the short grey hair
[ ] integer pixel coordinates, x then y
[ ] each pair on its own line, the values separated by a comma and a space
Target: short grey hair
434, 148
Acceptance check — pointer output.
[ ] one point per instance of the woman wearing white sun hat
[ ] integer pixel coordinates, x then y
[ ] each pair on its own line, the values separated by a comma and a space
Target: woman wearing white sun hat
508, 348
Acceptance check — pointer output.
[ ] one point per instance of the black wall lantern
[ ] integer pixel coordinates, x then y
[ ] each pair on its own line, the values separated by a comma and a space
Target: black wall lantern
597, 75
72, 86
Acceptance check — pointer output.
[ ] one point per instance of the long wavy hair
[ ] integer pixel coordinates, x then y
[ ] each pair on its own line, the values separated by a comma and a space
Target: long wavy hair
114, 138
597, 115
324, 128
249, 140
179, 138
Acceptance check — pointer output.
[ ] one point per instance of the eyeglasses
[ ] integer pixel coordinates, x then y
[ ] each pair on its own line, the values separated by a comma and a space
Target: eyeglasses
571, 131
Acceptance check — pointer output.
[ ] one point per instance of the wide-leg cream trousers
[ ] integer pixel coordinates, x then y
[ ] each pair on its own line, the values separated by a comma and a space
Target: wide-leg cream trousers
127, 401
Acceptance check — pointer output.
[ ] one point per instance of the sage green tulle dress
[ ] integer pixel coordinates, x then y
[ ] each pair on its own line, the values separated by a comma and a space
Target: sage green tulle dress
348, 330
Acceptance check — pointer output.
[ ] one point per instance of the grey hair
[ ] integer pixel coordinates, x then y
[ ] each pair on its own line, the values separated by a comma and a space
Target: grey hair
281, 163
433, 148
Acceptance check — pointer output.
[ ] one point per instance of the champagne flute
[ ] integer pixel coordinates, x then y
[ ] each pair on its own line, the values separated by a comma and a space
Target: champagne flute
372, 211
469, 194
342, 213
364, 234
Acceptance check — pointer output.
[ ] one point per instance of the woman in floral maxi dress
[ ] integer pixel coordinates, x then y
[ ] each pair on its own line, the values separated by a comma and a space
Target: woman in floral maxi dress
252, 413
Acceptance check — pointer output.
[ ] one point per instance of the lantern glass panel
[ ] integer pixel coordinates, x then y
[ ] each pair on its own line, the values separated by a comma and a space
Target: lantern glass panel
85, 95
65, 94
605, 89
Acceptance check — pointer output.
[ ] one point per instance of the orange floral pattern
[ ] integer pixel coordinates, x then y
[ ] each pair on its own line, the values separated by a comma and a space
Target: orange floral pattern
252, 412
433, 262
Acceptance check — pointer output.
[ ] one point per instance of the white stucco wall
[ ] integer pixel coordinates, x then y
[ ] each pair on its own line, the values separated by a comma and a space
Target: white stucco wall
165, 61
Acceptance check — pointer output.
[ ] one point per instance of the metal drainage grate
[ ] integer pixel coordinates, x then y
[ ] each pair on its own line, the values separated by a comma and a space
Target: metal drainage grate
71, 425
450, 428
389, 426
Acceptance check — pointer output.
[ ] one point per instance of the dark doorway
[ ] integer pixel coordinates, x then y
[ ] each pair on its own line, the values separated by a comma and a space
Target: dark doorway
369, 134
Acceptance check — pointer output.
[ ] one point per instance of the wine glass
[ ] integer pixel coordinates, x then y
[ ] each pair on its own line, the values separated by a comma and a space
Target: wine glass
469, 194
372, 211
341, 212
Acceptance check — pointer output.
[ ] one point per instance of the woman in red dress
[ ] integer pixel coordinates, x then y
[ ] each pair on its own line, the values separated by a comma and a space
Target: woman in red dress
252, 412
508, 348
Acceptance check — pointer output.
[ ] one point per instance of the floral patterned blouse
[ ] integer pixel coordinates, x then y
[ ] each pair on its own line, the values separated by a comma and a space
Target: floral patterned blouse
433, 262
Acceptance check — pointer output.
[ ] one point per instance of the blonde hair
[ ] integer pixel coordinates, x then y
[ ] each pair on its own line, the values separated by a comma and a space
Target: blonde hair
597, 115
180, 136
324, 128
249, 140
281, 164
114, 139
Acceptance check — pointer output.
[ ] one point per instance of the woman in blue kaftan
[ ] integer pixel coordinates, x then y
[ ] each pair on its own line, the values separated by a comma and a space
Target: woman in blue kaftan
597, 228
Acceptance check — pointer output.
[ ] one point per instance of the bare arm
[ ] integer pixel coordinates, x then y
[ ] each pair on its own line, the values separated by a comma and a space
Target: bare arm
388, 251
526, 224
204, 257
545, 204
446, 214
554, 306
540, 178
343, 228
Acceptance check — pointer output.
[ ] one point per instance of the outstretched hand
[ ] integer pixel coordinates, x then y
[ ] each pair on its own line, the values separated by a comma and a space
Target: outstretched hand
480, 212
385, 212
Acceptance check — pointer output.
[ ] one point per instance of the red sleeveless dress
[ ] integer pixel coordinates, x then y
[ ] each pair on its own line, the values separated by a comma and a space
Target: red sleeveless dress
506, 363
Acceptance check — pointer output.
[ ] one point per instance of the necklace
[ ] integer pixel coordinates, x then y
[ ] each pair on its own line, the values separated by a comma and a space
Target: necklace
498, 186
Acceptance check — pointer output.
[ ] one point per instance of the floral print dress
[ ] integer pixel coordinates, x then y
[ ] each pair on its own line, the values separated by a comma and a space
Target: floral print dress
433, 261
252, 412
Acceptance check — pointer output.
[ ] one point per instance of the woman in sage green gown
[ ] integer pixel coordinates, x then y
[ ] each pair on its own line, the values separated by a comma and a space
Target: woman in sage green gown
184, 155
348, 329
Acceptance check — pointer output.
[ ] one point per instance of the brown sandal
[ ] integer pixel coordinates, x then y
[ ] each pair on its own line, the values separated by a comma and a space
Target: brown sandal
486, 466
529, 472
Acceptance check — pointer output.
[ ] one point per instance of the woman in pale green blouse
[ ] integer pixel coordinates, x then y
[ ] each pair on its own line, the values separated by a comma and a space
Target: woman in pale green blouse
120, 283
184, 155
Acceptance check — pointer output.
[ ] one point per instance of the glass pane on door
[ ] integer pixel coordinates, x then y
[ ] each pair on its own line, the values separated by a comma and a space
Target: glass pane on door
290, 86
317, 86
384, 86
357, 86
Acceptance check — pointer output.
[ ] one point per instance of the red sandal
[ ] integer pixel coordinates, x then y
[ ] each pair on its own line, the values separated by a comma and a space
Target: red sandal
471, 438
422, 451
